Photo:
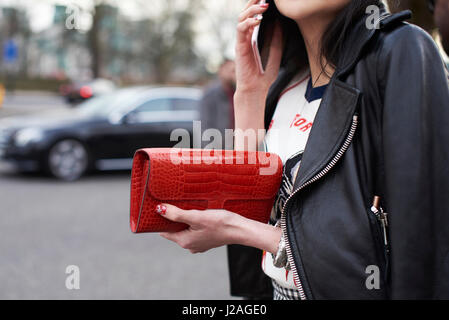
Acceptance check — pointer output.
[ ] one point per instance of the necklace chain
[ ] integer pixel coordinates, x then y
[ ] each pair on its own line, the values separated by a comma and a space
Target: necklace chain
313, 86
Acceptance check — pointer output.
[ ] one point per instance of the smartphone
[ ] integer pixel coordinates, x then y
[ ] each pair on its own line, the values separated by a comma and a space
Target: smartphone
261, 39
255, 45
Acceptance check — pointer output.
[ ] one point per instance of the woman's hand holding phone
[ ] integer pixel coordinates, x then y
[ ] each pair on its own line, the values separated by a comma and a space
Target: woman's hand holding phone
249, 77
252, 85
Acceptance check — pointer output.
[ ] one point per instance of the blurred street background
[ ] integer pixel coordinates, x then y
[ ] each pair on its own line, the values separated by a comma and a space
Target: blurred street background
80, 90
46, 225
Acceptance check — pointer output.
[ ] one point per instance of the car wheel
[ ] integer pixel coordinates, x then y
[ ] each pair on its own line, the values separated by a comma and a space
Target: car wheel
68, 160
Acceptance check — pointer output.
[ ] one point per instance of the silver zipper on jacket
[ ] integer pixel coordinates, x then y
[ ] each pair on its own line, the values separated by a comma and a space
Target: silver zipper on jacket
317, 177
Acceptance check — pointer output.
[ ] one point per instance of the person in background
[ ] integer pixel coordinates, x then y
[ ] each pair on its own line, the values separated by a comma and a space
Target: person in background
440, 9
217, 105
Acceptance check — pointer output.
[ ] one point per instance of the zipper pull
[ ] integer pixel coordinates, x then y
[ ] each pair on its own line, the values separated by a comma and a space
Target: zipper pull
376, 207
382, 217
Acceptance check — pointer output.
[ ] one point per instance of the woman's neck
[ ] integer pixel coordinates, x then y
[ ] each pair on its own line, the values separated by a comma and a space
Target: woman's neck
312, 30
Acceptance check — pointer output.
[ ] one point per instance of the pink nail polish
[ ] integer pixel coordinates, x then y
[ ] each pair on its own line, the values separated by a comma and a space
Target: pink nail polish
162, 210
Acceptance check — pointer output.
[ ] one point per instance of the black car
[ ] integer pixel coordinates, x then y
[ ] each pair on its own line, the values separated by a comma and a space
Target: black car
103, 133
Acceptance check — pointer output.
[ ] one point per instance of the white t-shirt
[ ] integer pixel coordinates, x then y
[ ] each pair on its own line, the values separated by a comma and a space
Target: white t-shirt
287, 136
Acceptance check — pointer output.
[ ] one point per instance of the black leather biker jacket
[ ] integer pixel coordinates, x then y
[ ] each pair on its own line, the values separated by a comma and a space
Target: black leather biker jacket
382, 130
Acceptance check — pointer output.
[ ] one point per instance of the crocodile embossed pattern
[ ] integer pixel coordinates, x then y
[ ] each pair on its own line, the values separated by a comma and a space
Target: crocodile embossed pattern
245, 183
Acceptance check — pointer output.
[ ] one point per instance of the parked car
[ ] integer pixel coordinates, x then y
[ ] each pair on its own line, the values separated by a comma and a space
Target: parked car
103, 133
78, 92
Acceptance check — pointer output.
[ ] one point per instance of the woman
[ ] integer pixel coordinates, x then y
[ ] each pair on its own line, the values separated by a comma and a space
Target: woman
369, 103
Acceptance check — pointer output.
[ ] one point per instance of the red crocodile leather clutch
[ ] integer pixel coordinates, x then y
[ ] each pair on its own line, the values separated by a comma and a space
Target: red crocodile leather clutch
245, 183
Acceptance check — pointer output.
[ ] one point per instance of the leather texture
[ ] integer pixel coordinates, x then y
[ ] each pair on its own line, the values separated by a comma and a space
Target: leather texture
393, 79
245, 183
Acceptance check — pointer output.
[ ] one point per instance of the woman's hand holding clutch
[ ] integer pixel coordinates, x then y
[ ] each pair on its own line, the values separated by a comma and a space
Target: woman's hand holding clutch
211, 229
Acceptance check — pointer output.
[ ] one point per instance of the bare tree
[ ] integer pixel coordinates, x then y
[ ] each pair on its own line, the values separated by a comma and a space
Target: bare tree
170, 37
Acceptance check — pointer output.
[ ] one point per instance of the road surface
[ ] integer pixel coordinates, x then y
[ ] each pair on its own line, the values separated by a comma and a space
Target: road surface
46, 226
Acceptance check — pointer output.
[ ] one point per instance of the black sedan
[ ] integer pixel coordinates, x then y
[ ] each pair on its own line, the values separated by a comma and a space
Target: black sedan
102, 134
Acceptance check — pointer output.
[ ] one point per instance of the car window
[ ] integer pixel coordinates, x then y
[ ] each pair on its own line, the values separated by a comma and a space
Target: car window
155, 106
182, 104
165, 110
105, 104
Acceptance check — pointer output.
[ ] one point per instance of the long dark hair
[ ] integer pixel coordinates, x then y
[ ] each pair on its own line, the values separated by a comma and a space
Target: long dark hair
295, 57
333, 41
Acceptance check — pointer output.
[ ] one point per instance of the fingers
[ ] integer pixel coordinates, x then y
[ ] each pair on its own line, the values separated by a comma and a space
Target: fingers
181, 239
169, 236
249, 19
250, 3
252, 11
245, 26
175, 214
173, 236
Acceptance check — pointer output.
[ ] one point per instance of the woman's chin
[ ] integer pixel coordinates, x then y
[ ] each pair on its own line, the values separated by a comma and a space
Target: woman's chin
294, 10
303, 9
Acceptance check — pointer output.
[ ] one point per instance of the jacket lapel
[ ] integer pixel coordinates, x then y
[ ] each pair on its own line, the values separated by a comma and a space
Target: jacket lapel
331, 126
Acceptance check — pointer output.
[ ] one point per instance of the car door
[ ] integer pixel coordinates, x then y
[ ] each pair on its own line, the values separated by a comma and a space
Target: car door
187, 110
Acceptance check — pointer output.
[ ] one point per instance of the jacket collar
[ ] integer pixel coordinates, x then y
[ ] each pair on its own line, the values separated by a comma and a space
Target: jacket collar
361, 36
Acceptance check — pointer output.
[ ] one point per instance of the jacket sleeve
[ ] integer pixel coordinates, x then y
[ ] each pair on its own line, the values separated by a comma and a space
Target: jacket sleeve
415, 143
